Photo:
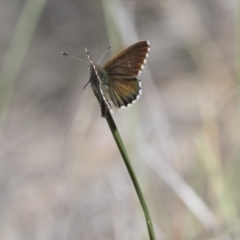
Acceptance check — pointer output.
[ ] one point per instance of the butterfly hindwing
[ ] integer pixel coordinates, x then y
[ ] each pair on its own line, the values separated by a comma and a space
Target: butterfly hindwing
124, 91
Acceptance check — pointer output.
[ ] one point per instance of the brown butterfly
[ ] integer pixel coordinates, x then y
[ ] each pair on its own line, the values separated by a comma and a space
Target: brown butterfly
117, 83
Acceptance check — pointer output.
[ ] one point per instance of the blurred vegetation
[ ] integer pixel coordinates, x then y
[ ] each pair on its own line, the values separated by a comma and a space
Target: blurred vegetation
61, 175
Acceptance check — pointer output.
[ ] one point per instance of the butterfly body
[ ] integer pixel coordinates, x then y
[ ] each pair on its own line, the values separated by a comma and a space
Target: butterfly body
117, 83
95, 84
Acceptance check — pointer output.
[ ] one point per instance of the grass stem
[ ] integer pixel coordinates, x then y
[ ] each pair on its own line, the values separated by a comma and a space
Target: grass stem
127, 162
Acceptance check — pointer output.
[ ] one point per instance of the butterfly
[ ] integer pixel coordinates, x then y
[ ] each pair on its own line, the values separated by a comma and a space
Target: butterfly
117, 83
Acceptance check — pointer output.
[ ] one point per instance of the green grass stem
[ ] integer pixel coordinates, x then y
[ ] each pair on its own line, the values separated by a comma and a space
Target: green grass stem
127, 162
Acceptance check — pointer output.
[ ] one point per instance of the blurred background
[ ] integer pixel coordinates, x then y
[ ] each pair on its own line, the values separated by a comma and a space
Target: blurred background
61, 174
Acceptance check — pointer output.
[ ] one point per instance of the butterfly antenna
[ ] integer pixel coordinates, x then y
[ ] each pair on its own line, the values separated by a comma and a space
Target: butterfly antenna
104, 54
86, 84
65, 54
89, 58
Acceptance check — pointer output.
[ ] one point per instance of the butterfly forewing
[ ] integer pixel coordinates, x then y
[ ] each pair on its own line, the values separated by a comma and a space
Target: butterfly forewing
130, 61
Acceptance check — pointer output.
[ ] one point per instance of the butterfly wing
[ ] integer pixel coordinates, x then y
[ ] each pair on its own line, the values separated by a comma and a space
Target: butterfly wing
123, 70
